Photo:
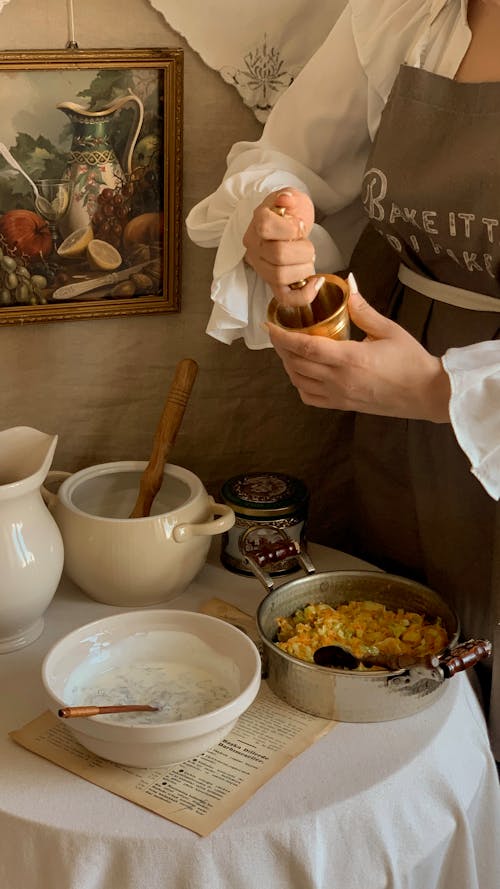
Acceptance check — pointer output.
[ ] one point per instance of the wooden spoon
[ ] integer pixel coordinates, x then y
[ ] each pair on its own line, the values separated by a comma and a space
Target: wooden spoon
165, 435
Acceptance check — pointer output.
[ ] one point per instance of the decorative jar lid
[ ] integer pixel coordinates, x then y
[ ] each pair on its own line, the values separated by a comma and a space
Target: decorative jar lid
260, 493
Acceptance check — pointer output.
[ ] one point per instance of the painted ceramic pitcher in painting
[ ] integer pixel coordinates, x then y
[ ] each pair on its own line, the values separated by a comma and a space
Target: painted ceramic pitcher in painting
31, 547
92, 162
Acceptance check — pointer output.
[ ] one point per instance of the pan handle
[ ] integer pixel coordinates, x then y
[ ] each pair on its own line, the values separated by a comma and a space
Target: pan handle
421, 679
463, 656
275, 552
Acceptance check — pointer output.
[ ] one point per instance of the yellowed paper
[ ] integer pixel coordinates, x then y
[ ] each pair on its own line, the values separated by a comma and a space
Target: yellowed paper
202, 792
232, 615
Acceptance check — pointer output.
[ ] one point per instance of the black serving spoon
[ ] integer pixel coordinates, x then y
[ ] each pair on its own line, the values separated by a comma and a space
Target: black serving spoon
342, 658
337, 656
449, 661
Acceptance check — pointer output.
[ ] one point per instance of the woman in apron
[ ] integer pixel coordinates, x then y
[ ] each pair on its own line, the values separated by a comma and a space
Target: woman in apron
429, 260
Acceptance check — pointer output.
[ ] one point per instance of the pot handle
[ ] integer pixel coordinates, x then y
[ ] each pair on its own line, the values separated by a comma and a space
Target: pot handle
224, 522
55, 475
463, 656
275, 552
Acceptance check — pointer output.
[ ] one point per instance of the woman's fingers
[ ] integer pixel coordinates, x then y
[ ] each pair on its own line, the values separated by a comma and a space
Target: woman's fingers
371, 322
388, 373
316, 385
313, 354
303, 296
286, 262
278, 247
285, 275
327, 373
294, 203
287, 253
282, 262
272, 227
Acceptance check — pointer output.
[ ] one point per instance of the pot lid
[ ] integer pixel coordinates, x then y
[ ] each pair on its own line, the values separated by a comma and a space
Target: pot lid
264, 492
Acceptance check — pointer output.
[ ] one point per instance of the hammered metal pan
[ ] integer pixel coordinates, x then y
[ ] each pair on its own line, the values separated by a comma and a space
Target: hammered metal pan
351, 696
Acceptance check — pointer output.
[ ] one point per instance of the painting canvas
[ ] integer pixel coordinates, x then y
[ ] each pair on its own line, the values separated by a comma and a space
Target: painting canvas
90, 183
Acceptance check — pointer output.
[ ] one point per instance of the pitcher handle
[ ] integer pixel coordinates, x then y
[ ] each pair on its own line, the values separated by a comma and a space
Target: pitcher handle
225, 522
134, 134
55, 475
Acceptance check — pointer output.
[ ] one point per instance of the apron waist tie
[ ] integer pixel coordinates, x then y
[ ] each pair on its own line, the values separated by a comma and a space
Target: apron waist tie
446, 293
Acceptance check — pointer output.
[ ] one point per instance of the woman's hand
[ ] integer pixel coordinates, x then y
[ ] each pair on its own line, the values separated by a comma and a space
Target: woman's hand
389, 373
278, 247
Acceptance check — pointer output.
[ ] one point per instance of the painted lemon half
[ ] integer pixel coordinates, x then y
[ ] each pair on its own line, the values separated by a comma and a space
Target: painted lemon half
103, 255
76, 243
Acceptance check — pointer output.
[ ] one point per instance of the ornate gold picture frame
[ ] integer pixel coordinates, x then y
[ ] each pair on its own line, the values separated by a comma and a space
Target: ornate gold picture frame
90, 183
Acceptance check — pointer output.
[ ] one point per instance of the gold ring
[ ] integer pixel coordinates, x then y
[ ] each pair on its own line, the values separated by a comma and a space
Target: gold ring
280, 211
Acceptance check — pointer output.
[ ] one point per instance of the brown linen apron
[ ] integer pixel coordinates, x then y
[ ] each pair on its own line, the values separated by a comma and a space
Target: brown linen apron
432, 192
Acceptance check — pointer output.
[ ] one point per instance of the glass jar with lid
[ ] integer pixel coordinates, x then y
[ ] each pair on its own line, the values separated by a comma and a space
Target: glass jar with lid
269, 507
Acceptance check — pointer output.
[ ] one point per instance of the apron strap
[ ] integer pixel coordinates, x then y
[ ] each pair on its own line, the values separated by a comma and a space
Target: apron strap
446, 293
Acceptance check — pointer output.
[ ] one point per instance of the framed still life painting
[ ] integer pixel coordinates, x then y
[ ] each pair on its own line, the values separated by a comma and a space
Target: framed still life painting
90, 183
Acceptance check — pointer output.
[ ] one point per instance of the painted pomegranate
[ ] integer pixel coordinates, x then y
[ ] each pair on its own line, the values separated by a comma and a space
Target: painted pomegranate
26, 233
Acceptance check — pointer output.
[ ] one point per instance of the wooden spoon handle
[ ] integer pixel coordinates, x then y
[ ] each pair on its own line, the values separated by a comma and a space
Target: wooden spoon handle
166, 432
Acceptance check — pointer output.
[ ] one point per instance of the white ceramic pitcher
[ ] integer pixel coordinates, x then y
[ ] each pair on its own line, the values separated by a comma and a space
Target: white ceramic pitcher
31, 547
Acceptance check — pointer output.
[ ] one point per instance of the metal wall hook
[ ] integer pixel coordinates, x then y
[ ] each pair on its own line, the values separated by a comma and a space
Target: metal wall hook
72, 43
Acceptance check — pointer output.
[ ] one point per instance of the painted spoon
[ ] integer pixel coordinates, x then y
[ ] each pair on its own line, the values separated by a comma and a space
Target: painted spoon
42, 204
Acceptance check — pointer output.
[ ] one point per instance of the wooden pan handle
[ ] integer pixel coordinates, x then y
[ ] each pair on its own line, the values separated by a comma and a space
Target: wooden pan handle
464, 656
166, 432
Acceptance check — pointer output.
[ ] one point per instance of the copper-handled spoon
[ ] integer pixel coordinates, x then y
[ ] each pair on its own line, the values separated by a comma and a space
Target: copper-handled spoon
73, 712
165, 435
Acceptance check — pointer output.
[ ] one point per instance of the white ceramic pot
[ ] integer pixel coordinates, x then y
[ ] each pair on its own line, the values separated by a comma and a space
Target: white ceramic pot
134, 562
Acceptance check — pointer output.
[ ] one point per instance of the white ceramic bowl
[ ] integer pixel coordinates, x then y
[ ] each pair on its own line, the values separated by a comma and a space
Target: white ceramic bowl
134, 562
204, 672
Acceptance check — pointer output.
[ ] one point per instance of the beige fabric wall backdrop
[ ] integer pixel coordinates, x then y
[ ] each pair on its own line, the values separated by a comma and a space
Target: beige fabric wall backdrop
101, 384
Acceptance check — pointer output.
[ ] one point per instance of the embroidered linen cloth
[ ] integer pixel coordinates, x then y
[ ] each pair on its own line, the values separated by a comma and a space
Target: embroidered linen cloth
258, 47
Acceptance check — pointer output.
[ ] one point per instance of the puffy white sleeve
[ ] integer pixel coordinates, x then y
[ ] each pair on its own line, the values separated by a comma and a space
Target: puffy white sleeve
474, 373
316, 139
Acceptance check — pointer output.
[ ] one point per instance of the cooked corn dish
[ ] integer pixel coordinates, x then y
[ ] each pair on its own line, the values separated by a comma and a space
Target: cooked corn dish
365, 628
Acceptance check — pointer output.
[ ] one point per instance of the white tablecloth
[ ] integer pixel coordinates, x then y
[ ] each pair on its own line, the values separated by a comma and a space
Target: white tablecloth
408, 804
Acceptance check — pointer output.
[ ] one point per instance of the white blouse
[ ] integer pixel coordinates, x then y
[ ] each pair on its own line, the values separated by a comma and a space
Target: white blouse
317, 138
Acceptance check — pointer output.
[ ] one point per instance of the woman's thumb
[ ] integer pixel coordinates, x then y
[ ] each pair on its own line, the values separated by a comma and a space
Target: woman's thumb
364, 316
